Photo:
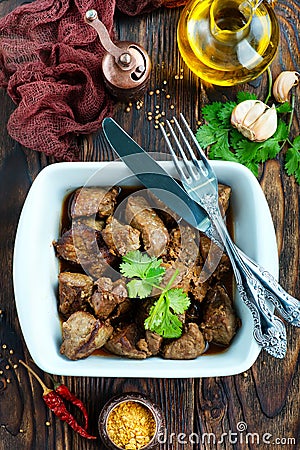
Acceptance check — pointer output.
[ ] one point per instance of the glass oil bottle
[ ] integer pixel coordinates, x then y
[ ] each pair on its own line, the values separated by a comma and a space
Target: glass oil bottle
226, 42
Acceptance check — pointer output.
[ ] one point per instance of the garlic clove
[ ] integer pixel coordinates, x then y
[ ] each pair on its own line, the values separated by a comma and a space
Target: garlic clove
283, 84
265, 126
239, 112
254, 113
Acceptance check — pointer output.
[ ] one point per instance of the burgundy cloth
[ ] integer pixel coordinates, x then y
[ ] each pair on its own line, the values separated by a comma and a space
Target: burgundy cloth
50, 65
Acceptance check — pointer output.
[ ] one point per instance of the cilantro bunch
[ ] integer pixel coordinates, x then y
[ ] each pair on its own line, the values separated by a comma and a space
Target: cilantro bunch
147, 273
226, 143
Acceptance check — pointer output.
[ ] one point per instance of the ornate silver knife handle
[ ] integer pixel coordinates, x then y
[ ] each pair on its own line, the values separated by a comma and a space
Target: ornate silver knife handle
269, 330
287, 306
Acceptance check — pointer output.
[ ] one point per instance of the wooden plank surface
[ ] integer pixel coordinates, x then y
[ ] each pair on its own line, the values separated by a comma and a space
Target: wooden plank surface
265, 399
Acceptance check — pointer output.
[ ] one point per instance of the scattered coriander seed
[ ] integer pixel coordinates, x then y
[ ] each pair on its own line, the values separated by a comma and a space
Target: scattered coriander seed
172, 106
181, 77
162, 124
157, 91
198, 122
151, 93
7, 367
128, 109
7, 380
181, 70
129, 104
245, 375
157, 121
138, 107
156, 126
168, 96
47, 424
15, 366
168, 134
21, 430
163, 113
172, 121
149, 117
176, 77
149, 113
165, 82
1, 312
4, 346
11, 352
1, 372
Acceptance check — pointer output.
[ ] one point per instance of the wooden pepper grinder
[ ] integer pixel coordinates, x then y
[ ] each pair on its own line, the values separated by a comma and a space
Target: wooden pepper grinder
125, 66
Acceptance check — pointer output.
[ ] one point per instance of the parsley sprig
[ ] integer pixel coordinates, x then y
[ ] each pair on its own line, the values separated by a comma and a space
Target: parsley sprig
226, 143
147, 273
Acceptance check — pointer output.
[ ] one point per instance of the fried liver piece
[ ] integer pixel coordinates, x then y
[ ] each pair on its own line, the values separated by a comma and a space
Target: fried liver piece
220, 322
75, 291
82, 334
224, 197
85, 246
216, 262
65, 247
123, 342
89, 201
151, 344
120, 238
188, 346
107, 296
141, 216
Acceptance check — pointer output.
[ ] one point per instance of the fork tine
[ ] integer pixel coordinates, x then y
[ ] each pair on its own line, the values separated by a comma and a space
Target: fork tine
200, 166
182, 152
199, 150
174, 156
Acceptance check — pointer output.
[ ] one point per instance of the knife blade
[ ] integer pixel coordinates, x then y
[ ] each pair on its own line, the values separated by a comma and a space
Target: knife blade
153, 176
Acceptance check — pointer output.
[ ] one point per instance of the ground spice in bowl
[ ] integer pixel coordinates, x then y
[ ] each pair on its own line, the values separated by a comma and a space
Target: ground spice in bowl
130, 422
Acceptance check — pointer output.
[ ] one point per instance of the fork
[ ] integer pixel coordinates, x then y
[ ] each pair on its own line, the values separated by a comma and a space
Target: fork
255, 285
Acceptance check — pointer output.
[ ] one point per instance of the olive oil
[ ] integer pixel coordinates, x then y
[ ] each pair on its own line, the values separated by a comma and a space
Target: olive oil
226, 42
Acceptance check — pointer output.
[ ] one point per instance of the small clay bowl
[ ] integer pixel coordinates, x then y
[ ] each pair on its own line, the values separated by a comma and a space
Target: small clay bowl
152, 408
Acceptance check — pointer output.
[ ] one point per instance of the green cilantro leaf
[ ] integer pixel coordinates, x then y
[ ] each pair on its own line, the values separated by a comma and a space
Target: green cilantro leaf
247, 150
285, 107
268, 149
139, 288
210, 113
138, 264
179, 300
225, 113
221, 149
292, 159
147, 272
162, 318
242, 96
206, 135
165, 324
282, 133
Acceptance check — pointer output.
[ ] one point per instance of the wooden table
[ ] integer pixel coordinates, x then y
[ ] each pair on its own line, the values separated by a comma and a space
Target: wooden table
265, 399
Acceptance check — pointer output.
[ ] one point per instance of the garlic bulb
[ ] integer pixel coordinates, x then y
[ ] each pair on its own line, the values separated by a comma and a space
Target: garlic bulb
255, 120
283, 84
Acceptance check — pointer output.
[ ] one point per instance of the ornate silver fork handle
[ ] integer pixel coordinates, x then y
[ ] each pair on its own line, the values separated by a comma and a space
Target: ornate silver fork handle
269, 330
287, 306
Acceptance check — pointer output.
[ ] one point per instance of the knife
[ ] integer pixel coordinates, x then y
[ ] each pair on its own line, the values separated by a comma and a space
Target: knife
154, 177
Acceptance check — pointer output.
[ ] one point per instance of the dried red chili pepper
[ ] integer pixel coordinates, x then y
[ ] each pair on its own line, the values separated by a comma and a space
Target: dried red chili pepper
56, 404
64, 392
